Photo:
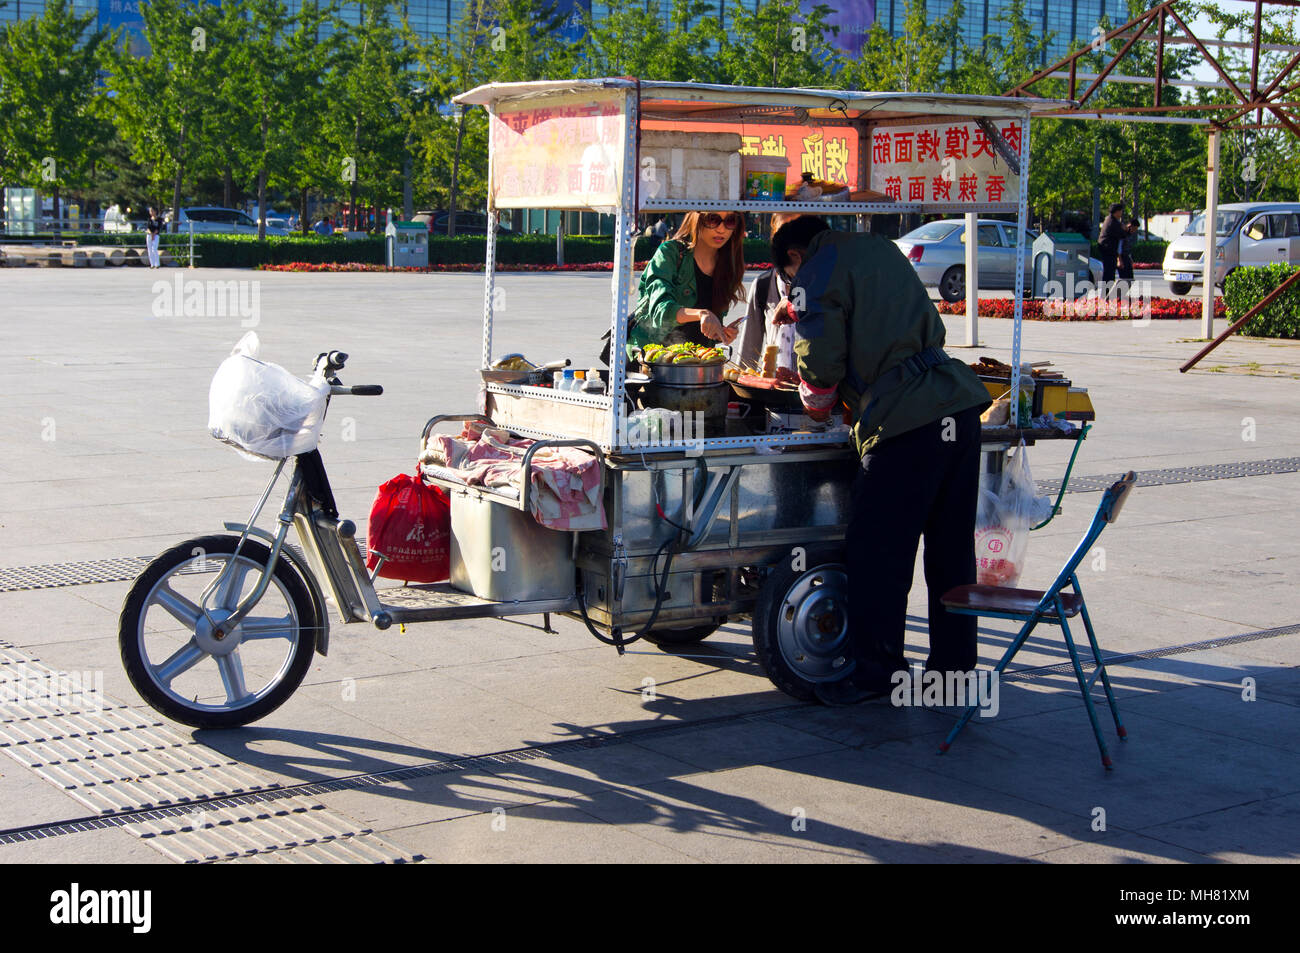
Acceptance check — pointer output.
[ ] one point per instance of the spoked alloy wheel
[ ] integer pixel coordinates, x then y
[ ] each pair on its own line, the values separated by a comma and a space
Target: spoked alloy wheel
801, 632
191, 667
952, 286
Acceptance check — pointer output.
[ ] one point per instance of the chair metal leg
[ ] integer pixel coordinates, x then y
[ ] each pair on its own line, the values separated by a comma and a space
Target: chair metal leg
1105, 679
1083, 683
1007, 656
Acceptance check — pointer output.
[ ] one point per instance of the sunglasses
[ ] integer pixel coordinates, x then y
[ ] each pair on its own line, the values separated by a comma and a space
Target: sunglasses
714, 220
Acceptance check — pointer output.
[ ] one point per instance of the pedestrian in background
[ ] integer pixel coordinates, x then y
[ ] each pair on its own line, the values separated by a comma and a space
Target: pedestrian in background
1112, 231
153, 230
1126, 250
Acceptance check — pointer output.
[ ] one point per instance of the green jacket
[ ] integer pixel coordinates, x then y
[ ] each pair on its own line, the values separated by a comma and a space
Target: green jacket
668, 283
864, 312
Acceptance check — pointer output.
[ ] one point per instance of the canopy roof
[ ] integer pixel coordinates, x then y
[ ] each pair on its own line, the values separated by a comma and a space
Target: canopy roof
704, 101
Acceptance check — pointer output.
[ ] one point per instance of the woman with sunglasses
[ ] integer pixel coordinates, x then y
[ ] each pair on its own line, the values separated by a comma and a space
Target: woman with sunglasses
691, 283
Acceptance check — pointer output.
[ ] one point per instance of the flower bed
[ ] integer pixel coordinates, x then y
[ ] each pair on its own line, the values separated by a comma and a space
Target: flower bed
1090, 308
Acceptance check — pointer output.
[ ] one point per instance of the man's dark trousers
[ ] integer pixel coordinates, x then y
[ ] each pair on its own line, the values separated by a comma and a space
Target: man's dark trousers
913, 485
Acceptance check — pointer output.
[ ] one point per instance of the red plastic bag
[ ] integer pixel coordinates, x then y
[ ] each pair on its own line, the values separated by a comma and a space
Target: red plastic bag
410, 525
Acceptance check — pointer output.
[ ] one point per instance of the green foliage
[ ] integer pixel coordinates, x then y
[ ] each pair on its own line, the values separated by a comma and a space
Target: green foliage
1247, 287
53, 119
777, 44
1143, 252
918, 60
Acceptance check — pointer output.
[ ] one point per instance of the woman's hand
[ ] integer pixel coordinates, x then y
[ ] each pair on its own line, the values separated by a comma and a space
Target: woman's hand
711, 327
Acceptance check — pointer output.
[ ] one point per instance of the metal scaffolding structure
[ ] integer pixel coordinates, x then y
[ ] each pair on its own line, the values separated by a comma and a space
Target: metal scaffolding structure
1165, 24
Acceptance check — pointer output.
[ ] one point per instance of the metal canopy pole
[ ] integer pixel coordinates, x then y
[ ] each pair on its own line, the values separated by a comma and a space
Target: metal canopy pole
1211, 234
972, 279
490, 271
624, 251
1022, 217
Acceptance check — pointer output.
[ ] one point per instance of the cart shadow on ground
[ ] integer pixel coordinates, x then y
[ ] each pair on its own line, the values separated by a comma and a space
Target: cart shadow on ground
865, 780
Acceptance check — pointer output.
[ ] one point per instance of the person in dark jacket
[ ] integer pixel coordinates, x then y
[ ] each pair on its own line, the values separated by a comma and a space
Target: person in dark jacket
1112, 233
1126, 249
867, 335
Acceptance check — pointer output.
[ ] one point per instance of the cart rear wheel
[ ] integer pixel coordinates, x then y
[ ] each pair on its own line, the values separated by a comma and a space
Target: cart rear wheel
801, 621
682, 636
1180, 287
190, 667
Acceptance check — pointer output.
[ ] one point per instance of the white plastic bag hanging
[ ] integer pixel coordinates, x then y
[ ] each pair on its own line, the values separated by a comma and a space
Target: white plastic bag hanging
1003, 521
261, 409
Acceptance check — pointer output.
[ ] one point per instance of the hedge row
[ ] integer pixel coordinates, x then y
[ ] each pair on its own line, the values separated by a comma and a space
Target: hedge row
1143, 252
1247, 287
245, 251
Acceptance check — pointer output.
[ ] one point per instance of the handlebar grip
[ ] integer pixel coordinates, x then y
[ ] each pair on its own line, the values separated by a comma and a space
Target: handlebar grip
366, 390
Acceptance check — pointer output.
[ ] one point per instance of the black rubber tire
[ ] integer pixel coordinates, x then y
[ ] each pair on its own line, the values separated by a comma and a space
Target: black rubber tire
952, 286
687, 635
135, 663
1180, 287
770, 601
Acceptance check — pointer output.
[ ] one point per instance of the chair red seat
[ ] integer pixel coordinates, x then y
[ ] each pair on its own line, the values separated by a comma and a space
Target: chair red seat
982, 599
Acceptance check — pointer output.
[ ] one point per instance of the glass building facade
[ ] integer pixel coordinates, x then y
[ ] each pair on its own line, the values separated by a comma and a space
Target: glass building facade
1063, 20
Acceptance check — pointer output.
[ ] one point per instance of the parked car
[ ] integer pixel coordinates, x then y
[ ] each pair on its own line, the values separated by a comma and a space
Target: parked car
224, 220
1246, 235
937, 250
467, 223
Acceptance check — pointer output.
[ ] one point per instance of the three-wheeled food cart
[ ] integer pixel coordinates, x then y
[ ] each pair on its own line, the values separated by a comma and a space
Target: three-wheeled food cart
743, 517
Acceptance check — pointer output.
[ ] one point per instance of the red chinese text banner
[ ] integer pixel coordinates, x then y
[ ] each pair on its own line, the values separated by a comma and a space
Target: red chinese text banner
830, 153
567, 154
943, 164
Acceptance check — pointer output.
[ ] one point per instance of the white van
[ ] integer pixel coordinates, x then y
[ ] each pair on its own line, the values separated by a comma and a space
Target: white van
1248, 234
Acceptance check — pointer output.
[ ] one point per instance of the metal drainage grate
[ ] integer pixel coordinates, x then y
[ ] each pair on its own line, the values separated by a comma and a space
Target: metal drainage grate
90, 571
305, 793
1210, 471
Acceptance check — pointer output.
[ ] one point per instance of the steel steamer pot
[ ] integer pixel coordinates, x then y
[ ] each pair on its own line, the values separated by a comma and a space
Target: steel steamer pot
689, 389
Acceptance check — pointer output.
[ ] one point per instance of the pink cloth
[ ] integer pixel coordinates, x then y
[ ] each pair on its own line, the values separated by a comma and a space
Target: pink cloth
565, 481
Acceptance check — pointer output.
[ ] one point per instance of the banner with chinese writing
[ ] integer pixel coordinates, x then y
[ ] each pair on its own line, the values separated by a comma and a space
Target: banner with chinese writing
943, 164
830, 153
567, 154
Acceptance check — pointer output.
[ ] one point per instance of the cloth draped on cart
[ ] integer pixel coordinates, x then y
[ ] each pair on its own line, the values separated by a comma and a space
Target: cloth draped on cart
565, 487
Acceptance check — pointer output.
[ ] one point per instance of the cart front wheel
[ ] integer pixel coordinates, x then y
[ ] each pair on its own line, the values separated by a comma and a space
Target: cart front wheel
189, 666
801, 621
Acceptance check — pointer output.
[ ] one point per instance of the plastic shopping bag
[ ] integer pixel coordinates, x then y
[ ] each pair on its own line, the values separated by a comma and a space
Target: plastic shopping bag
410, 526
1003, 521
261, 409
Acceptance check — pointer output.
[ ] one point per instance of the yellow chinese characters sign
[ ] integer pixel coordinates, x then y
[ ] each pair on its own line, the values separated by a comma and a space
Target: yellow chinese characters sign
566, 154
830, 153
943, 164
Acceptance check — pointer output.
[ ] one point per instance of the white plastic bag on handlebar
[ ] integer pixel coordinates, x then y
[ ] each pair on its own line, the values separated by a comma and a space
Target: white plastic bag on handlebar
263, 410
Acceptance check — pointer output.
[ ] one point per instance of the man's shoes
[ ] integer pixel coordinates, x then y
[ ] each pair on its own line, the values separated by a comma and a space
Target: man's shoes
846, 692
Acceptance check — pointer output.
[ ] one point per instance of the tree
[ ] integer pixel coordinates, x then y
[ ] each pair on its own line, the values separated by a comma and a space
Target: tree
161, 96
369, 88
913, 61
54, 118
778, 45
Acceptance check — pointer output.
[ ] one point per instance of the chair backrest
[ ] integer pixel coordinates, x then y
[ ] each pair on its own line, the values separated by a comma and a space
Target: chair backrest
1111, 502
1116, 496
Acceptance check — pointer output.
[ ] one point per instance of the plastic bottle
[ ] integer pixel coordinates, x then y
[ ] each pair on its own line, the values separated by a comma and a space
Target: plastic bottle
568, 383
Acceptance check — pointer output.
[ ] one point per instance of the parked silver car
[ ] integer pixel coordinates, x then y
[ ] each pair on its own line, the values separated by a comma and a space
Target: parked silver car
225, 220
937, 250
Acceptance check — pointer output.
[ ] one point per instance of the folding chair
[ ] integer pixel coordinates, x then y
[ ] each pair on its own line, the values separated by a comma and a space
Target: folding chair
1052, 607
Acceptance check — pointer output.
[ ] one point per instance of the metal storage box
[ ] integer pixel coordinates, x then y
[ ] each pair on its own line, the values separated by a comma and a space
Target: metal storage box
503, 554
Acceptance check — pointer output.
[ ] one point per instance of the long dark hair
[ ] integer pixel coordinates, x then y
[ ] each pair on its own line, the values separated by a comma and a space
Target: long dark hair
729, 272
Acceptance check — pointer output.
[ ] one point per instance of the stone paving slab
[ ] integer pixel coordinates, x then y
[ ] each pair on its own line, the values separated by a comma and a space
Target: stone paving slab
107, 456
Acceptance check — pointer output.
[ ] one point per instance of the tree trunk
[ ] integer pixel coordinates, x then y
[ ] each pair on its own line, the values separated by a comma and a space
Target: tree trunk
176, 182
302, 210
261, 185
55, 196
229, 185
455, 177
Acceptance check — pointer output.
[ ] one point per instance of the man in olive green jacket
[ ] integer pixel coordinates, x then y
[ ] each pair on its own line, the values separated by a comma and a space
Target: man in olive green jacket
869, 339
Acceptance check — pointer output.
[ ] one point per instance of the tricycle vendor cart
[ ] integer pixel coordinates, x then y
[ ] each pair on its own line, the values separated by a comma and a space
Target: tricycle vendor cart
706, 518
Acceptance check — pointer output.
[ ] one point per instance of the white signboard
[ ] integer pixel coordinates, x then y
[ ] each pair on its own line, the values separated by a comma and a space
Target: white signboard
944, 164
